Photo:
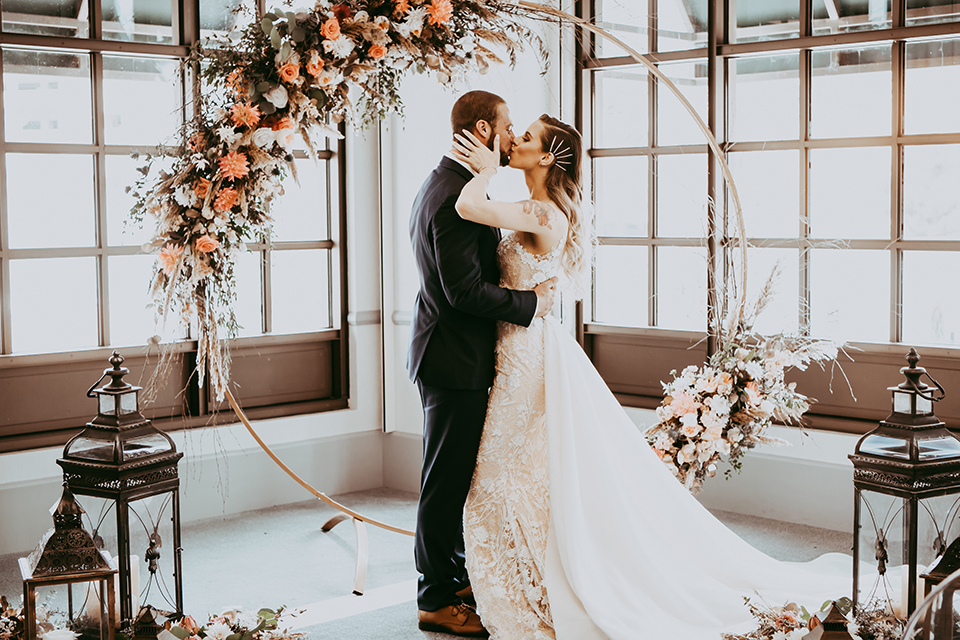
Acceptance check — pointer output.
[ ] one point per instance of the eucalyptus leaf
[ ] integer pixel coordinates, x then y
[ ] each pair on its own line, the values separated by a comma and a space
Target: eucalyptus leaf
267, 613
292, 17
298, 34
285, 51
234, 636
271, 15
275, 39
180, 632
266, 24
263, 86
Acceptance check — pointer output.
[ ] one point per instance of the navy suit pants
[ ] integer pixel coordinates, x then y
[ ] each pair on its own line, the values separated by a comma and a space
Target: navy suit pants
452, 425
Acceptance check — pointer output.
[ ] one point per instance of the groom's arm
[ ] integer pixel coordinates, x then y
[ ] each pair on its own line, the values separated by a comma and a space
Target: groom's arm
456, 242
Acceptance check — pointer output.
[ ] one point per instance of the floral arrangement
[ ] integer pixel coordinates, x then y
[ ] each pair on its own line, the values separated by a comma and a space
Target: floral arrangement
291, 74
11, 621
724, 407
235, 624
792, 622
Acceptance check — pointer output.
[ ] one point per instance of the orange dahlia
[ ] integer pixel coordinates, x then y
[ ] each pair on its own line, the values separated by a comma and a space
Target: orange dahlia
226, 198
169, 256
440, 11
245, 115
402, 7
234, 165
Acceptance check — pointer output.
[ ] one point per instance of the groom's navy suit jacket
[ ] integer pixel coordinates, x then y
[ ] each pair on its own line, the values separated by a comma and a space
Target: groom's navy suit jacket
454, 327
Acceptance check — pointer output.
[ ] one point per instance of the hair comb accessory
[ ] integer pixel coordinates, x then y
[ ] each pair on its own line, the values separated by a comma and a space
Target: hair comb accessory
561, 153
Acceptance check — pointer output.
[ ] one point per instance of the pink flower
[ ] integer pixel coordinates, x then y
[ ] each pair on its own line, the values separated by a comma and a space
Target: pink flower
683, 403
169, 257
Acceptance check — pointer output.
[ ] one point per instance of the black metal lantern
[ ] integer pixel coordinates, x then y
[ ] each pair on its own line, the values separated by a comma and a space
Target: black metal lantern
122, 458
67, 555
906, 475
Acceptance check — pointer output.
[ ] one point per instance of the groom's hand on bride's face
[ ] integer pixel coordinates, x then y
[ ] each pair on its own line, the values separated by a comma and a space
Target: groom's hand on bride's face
546, 293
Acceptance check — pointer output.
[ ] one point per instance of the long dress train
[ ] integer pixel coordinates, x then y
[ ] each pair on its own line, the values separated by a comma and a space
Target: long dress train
575, 530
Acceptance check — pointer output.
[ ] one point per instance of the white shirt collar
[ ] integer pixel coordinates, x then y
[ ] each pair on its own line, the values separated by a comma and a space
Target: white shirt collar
460, 162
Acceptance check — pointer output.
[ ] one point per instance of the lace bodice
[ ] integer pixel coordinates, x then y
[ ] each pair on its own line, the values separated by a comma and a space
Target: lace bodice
508, 509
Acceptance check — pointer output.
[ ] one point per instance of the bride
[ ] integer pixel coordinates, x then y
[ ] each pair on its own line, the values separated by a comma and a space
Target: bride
574, 529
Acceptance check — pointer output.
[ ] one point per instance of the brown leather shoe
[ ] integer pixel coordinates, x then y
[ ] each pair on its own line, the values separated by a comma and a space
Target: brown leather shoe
466, 594
459, 620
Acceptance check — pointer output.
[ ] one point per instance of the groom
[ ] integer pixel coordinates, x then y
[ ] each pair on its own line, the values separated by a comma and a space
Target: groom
451, 359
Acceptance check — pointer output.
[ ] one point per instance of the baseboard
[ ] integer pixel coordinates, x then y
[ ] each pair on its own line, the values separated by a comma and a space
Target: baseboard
402, 459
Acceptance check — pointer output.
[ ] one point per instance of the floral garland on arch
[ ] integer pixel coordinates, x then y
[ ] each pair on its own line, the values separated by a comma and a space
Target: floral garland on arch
722, 409
291, 74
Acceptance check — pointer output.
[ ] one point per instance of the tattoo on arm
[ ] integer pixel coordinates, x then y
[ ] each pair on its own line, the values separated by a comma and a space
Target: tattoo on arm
543, 213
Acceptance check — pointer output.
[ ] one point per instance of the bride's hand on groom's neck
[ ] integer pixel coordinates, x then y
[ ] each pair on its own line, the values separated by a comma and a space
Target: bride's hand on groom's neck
546, 293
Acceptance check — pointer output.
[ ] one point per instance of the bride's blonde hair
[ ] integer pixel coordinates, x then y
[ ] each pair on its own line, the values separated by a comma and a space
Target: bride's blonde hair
564, 184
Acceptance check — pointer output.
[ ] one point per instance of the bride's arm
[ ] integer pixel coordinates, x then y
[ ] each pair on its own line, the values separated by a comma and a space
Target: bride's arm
530, 215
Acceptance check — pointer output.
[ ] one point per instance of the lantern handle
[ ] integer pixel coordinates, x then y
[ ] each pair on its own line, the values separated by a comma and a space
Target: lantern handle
91, 394
932, 396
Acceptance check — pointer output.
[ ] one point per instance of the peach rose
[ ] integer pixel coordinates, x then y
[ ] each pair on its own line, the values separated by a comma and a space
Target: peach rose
286, 122
206, 244
377, 51
289, 72
331, 29
314, 67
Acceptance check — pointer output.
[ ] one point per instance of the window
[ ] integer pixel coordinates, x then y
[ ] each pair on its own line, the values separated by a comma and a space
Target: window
851, 194
80, 93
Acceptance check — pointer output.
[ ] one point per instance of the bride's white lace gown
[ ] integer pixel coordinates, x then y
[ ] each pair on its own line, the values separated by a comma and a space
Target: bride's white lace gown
575, 530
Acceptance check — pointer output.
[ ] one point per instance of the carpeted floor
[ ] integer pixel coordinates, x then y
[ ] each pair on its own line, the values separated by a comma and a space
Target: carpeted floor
279, 556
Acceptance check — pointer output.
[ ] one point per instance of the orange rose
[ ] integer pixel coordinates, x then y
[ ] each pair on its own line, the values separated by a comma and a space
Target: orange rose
201, 187
314, 68
377, 51
206, 244
331, 29
289, 72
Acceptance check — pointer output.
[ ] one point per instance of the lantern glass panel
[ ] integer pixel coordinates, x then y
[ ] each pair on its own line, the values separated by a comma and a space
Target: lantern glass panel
91, 449
148, 445
924, 406
884, 447
108, 404
128, 403
933, 448
901, 402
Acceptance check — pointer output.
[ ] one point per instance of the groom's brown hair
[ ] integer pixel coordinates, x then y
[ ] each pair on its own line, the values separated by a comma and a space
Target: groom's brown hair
474, 106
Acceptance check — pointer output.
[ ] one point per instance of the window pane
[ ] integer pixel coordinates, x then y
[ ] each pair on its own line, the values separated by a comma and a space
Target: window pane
63, 18
851, 93
620, 195
682, 196
46, 97
218, 17
768, 184
122, 173
53, 303
929, 11
850, 295
300, 290
621, 285
137, 20
141, 100
842, 16
301, 213
131, 309
249, 303
782, 312
627, 21
50, 200
621, 108
765, 98
850, 193
675, 125
682, 24
932, 87
682, 288
767, 20
928, 315
930, 208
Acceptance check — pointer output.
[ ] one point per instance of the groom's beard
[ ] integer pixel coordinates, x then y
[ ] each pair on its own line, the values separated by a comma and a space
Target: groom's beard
504, 156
